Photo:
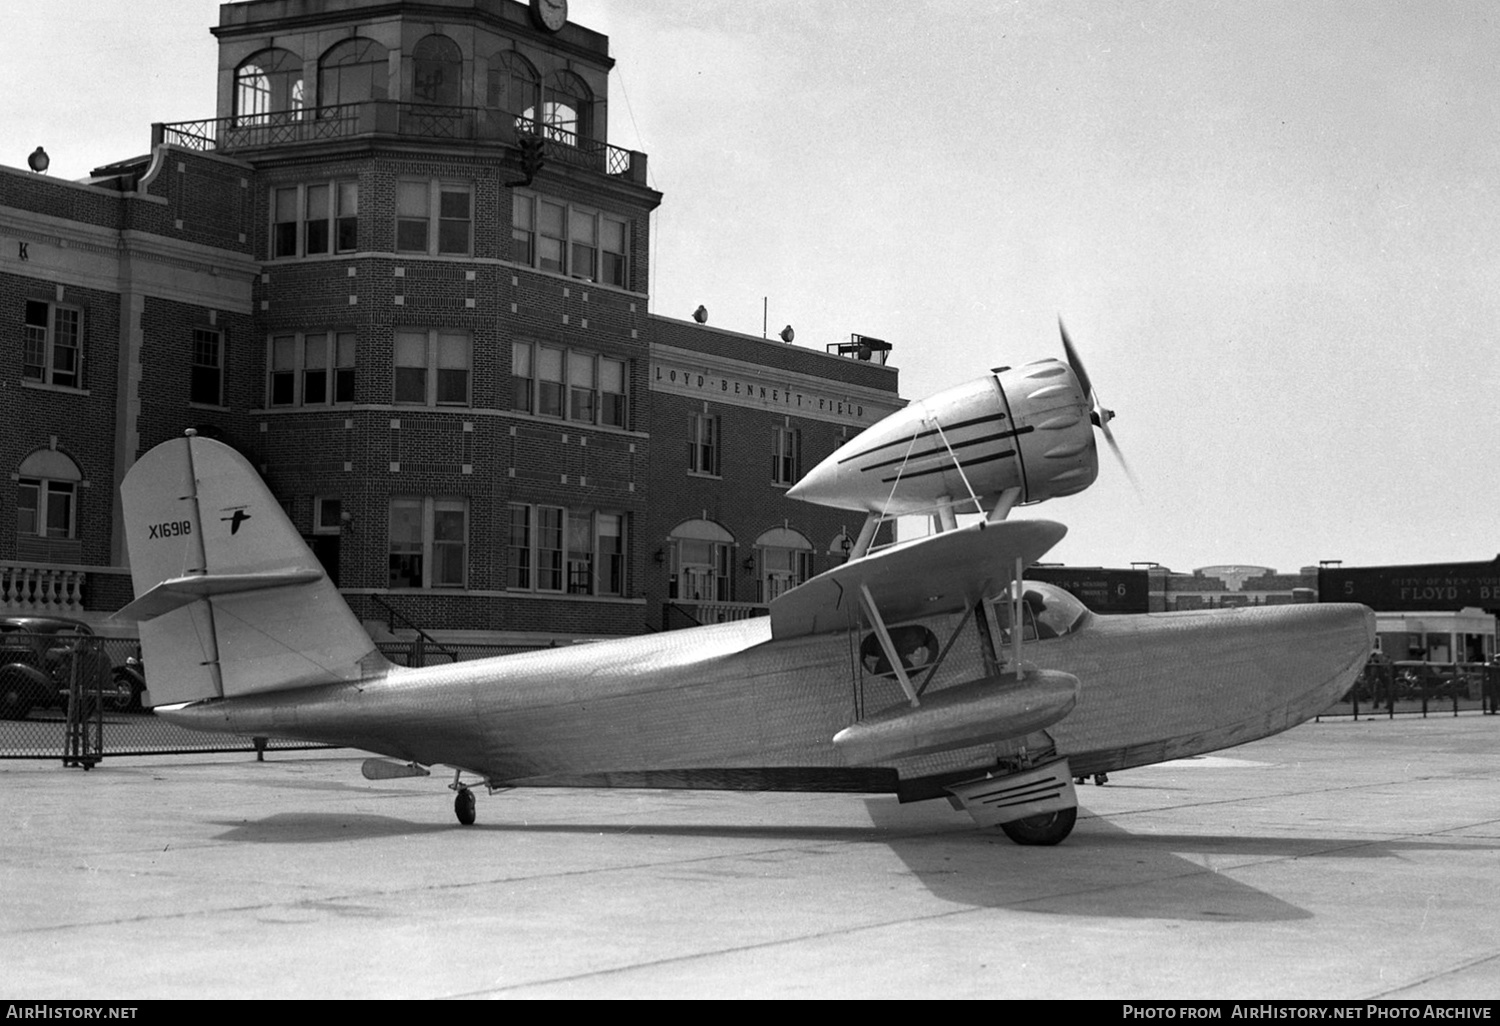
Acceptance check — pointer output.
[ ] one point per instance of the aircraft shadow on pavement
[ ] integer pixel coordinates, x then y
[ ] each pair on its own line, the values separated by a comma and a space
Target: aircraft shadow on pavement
1101, 870
1105, 870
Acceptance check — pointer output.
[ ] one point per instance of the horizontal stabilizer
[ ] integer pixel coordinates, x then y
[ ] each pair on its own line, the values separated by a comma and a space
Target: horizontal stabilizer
385, 769
170, 595
980, 712
940, 574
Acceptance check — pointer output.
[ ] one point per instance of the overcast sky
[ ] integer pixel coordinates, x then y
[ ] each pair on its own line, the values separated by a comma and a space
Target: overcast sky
1273, 228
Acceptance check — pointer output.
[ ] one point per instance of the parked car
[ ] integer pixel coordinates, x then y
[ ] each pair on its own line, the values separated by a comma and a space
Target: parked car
37, 657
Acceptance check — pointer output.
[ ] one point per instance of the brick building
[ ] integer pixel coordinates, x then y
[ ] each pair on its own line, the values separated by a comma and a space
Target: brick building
403, 270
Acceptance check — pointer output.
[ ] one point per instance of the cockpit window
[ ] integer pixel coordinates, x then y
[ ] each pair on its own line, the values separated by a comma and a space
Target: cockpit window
1050, 612
916, 646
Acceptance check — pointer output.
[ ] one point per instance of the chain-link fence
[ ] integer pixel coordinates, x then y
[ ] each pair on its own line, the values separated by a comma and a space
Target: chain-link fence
70, 695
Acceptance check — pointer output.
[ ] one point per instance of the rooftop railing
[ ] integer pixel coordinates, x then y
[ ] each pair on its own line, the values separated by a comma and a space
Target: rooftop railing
400, 119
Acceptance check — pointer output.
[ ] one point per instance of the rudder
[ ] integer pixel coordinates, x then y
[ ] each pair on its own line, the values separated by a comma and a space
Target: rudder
230, 599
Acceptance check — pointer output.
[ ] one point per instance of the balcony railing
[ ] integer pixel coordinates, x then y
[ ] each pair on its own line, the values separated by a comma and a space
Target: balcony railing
679, 613
395, 118
36, 590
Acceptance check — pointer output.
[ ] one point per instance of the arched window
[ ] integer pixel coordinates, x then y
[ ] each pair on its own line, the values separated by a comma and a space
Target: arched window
437, 72
47, 507
268, 83
514, 85
699, 564
567, 108
353, 71
786, 560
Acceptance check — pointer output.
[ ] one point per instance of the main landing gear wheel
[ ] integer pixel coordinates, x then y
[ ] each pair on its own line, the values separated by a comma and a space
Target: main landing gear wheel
463, 806
1047, 828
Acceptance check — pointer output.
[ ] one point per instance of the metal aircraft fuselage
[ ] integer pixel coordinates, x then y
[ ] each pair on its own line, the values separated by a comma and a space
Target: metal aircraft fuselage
726, 706
928, 668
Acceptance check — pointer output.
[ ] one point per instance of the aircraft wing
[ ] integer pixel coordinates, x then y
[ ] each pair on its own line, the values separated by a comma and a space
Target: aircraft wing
943, 573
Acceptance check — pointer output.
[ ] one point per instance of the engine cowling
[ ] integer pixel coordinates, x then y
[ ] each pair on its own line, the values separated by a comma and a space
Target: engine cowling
1025, 428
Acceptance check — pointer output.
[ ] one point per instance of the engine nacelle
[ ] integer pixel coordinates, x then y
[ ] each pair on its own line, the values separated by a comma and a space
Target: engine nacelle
1025, 428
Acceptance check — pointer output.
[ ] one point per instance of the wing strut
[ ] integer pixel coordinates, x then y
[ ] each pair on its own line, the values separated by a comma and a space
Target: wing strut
1017, 621
978, 506
866, 536
886, 644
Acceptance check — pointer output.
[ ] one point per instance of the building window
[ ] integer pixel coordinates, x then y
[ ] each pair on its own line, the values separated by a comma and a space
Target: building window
314, 219
523, 229
583, 392
612, 405
312, 369
703, 444
552, 233
583, 260
786, 446
514, 85
609, 573
268, 83
577, 552
47, 495
418, 231
568, 385
785, 559
432, 367
328, 515
206, 385
45, 509
52, 346
698, 566
567, 108
612, 251
353, 71
522, 558
554, 236
549, 548
429, 540
437, 69
522, 377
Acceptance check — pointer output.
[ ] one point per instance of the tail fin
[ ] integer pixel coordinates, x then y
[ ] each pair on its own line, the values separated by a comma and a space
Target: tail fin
230, 599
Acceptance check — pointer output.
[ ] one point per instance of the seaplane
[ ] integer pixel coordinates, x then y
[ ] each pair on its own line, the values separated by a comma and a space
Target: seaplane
929, 668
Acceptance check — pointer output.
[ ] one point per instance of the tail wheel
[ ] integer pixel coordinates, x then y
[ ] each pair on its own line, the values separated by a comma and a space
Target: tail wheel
463, 806
1046, 828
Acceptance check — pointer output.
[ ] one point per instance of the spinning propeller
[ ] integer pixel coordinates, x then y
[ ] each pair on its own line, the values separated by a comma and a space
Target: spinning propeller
1100, 414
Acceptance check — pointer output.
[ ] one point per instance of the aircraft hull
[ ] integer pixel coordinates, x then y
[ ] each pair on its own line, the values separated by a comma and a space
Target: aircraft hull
725, 706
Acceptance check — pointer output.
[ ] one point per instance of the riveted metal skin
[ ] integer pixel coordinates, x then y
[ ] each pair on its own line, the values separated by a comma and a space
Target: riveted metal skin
703, 707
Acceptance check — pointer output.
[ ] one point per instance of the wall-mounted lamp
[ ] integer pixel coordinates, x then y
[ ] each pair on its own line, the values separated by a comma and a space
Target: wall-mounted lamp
660, 557
701, 314
787, 334
749, 563
39, 161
